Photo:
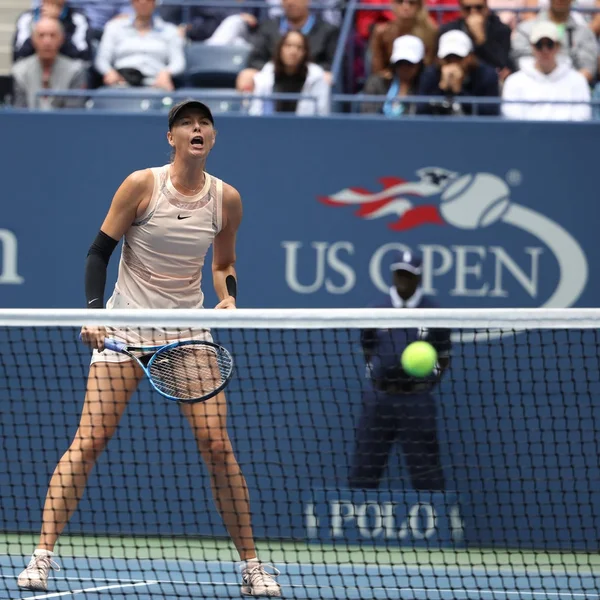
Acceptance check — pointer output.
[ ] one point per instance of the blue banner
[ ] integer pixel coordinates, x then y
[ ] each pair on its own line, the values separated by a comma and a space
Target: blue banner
503, 213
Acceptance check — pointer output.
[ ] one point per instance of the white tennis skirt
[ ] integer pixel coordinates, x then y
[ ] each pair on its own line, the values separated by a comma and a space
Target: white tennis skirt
147, 337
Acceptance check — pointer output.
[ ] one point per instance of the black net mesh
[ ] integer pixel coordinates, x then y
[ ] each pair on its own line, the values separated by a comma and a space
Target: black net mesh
354, 480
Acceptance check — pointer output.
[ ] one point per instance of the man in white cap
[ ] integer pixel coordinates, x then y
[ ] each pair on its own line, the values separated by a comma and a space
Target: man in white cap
406, 64
459, 73
546, 80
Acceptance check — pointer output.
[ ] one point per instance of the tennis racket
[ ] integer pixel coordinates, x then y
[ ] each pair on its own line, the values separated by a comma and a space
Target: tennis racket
185, 371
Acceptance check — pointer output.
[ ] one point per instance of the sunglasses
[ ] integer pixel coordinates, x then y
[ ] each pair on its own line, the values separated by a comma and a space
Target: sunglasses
541, 44
473, 7
409, 2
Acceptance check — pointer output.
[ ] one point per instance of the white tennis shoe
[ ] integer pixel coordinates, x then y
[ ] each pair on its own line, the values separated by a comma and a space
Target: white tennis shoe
257, 581
35, 576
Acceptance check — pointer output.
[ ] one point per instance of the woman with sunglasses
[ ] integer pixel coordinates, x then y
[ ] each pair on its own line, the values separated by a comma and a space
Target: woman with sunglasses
411, 19
546, 80
406, 65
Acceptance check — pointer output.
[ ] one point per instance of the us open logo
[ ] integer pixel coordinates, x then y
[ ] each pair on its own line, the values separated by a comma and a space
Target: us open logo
469, 202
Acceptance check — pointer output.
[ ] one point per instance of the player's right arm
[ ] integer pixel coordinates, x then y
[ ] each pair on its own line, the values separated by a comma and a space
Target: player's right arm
131, 199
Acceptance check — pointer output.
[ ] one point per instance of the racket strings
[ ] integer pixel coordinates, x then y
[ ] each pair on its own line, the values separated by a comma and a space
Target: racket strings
189, 372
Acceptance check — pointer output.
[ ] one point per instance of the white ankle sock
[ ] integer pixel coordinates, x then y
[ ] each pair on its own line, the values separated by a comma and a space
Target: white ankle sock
246, 564
42, 552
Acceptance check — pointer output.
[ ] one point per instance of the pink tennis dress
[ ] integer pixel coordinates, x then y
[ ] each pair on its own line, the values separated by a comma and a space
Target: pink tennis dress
162, 258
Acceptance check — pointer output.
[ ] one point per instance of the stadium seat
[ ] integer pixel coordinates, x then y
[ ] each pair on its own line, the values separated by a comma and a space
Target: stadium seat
126, 99
213, 66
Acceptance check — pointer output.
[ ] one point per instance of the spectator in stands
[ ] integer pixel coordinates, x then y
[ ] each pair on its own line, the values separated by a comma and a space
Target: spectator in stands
332, 13
291, 72
99, 13
591, 20
205, 20
459, 73
490, 37
410, 19
580, 44
442, 17
322, 39
546, 80
408, 53
47, 69
367, 19
141, 51
77, 34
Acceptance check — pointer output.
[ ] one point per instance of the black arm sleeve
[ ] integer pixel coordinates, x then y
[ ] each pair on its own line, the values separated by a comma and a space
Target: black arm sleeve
95, 269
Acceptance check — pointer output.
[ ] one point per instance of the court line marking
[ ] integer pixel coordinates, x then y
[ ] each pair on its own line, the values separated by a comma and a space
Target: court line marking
94, 589
459, 591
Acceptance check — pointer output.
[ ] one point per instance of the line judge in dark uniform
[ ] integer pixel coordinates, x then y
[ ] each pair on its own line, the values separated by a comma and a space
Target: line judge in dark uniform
398, 408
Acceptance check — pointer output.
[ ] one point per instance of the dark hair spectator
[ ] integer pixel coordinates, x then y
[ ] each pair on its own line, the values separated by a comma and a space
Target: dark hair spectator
322, 37
291, 72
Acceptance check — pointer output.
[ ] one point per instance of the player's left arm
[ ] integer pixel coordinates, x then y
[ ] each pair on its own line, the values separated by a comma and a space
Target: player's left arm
224, 245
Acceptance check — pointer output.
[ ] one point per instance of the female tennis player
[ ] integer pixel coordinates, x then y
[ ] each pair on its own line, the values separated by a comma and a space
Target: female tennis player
169, 216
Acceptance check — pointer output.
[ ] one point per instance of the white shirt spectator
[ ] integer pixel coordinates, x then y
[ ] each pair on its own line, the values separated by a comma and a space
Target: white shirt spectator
315, 85
563, 83
123, 47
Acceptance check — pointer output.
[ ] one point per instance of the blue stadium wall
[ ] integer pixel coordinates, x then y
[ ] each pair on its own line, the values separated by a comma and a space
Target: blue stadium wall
505, 215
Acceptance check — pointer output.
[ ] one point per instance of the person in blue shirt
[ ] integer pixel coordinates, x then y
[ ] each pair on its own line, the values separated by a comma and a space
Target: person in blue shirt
398, 407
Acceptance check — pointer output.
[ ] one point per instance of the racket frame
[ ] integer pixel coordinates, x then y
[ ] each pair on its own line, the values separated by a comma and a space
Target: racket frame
156, 351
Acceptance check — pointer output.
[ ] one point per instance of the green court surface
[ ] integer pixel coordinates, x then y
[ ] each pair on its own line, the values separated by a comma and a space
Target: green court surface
117, 568
282, 552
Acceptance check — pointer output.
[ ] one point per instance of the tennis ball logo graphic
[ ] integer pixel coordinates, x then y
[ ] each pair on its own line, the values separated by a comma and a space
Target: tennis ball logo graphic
474, 201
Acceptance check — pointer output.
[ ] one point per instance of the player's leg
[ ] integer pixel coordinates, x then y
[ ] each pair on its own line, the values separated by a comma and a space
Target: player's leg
419, 438
109, 388
375, 435
208, 421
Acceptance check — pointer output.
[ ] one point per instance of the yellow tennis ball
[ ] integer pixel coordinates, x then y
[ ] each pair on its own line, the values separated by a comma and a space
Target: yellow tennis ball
419, 359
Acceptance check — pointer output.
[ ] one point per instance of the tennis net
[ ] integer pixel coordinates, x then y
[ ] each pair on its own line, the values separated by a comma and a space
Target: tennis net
478, 480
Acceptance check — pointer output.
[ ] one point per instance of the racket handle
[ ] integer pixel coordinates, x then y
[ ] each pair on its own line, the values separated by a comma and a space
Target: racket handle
231, 284
114, 345
111, 344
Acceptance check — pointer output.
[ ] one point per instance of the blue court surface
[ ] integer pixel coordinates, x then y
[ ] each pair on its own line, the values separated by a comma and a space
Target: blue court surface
152, 578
